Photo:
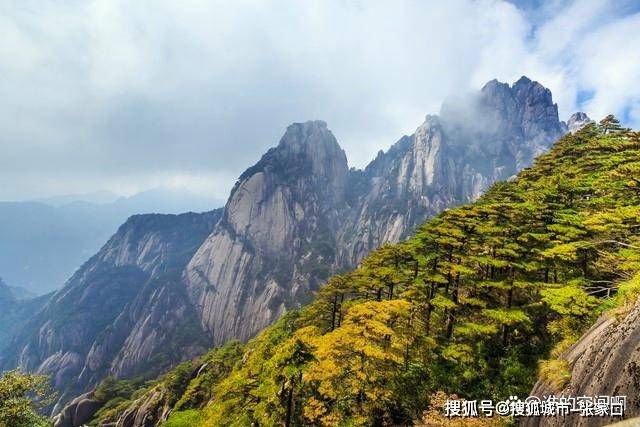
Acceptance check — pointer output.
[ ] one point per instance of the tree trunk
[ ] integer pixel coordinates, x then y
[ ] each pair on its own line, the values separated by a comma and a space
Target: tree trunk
451, 315
334, 311
289, 407
340, 310
505, 328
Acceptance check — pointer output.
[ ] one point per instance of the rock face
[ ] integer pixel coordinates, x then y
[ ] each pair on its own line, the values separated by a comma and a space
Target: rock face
276, 229
165, 287
604, 362
78, 412
451, 159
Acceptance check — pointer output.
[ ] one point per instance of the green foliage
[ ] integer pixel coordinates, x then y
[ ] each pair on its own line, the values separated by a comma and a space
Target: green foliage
21, 395
188, 418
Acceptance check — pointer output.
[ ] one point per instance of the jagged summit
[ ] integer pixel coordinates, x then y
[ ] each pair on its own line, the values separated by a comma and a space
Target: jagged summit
577, 121
309, 134
304, 131
314, 141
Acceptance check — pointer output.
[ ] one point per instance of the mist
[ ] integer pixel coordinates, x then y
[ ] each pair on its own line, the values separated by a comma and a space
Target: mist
123, 97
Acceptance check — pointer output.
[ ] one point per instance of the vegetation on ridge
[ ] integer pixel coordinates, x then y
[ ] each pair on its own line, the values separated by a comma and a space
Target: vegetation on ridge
469, 306
21, 397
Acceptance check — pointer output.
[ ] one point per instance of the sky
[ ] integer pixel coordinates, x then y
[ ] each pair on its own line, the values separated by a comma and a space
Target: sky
125, 96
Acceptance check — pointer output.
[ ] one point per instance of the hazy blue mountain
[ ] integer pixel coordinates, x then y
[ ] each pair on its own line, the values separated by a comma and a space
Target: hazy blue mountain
21, 293
100, 323
15, 310
43, 242
96, 197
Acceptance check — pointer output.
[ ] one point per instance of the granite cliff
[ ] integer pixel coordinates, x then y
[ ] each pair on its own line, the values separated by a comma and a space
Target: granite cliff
605, 361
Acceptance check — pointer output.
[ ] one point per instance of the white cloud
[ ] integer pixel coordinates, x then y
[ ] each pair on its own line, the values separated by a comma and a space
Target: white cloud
101, 93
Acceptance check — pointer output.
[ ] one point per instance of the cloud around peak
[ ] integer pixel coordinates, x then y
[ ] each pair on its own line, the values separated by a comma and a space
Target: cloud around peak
126, 96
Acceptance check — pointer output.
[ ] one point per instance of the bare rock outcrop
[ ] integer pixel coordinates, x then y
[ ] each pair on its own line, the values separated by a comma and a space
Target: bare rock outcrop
78, 412
604, 362
577, 121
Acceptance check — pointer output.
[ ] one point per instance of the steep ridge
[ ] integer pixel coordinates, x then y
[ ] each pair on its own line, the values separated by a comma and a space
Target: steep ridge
15, 312
451, 159
275, 234
293, 219
120, 314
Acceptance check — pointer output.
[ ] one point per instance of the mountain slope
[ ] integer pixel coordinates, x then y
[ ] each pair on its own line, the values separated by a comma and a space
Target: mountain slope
468, 306
15, 311
604, 362
293, 219
120, 313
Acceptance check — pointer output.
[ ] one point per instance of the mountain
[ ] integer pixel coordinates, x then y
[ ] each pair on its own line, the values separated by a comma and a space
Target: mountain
292, 220
21, 293
44, 242
6, 295
96, 197
16, 308
577, 121
450, 159
469, 308
113, 312
302, 214
275, 242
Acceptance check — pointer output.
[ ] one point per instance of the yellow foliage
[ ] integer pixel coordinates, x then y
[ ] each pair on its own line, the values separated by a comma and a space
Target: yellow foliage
355, 362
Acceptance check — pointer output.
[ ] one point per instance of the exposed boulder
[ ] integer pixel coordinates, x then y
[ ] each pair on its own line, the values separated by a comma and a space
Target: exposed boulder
78, 412
604, 362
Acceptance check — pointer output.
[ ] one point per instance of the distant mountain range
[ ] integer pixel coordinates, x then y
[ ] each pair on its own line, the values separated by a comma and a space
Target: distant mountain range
166, 287
43, 241
16, 305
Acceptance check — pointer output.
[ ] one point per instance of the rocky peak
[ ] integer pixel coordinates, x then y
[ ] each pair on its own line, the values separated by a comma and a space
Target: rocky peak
307, 151
281, 212
312, 147
577, 121
305, 174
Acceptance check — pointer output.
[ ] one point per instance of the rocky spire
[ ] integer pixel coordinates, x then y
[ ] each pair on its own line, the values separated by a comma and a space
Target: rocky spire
577, 121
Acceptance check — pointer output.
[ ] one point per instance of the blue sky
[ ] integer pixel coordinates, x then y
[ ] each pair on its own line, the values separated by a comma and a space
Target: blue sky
125, 96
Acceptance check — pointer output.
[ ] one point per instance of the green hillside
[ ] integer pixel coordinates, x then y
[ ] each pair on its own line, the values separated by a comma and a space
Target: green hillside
472, 305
